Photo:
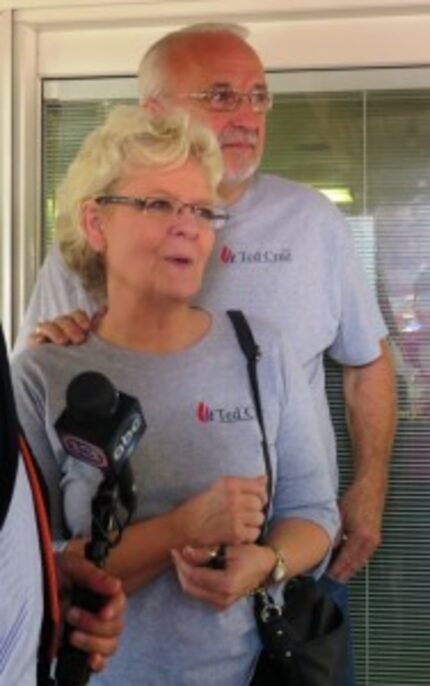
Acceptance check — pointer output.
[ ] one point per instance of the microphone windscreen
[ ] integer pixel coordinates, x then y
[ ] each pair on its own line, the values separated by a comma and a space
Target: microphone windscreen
90, 397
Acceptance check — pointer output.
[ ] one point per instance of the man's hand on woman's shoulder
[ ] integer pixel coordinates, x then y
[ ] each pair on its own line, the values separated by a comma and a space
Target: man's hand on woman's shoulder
69, 329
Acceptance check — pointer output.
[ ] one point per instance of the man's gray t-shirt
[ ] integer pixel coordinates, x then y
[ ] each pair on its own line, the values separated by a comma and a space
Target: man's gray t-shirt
286, 254
200, 425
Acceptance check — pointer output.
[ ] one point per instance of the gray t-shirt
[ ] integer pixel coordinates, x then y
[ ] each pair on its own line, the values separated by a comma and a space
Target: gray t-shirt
21, 588
201, 425
287, 255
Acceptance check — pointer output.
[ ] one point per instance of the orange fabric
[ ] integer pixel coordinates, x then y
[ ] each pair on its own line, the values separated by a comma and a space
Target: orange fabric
52, 604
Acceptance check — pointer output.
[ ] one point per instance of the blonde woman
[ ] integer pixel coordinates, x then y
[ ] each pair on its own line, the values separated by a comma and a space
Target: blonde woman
137, 217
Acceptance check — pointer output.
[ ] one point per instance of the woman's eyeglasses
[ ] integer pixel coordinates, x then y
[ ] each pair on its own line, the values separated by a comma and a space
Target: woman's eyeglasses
165, 209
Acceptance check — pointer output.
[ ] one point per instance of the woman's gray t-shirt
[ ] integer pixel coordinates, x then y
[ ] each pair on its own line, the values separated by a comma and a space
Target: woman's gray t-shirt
200, 425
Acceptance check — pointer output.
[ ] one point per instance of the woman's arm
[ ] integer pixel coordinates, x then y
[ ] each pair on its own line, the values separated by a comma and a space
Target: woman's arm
229, 511
304, 518
305, 488
302, 543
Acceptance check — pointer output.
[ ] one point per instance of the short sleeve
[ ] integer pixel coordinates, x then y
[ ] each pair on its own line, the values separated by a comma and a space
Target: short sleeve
361, 325
30, 403
304, 485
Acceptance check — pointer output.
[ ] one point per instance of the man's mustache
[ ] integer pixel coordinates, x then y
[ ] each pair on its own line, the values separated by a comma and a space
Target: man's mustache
238, 136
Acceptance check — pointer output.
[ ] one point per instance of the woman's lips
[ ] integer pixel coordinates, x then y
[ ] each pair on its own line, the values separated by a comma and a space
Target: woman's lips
179, 260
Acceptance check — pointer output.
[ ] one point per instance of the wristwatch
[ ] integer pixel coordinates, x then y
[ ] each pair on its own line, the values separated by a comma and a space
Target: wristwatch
280, 570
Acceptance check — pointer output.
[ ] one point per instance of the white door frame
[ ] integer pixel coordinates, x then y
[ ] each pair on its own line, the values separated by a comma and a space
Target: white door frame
6, 250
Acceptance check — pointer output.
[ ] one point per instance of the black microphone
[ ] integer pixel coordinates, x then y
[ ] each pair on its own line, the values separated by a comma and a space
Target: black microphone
100, 426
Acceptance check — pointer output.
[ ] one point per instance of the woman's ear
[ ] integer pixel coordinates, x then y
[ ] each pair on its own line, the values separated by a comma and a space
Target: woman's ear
92, 225
154, 107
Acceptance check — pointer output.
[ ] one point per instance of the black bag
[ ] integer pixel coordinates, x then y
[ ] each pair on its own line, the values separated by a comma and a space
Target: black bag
305, 639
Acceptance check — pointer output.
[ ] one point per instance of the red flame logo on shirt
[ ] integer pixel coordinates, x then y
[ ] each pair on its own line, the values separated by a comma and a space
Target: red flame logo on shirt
227, 255
203, 412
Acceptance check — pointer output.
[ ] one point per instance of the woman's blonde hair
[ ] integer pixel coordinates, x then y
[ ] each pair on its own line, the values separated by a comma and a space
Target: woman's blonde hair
130, 138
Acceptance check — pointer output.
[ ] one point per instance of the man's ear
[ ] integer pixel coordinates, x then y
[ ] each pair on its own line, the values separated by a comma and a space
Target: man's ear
92, 225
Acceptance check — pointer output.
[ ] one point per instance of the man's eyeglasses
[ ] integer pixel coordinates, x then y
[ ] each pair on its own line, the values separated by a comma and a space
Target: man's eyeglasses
164, 210
228, 99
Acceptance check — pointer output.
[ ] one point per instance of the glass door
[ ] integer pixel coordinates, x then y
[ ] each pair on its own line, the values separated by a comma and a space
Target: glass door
363, 139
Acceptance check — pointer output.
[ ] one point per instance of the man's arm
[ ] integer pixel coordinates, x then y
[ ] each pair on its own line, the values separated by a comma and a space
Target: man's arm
370, 394
57, 291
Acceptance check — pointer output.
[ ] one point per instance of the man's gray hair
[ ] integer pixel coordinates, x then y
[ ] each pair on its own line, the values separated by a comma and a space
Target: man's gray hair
152, 72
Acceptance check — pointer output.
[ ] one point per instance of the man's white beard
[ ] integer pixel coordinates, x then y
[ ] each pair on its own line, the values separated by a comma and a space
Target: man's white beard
237, 176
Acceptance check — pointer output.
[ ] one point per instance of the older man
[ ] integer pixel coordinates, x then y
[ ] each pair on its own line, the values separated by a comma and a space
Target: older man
285, 254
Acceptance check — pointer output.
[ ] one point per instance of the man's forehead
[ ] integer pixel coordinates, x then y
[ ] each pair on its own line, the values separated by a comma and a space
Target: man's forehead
227, 62
223, 74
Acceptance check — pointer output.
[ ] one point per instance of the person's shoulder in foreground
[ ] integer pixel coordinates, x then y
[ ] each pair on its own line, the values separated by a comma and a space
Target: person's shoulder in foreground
21, 603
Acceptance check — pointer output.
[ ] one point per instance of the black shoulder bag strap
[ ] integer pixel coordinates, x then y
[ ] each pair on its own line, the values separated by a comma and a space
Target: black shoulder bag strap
318, 658
252, 354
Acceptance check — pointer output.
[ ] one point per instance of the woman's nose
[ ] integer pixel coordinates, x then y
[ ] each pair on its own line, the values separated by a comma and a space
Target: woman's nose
186, 222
